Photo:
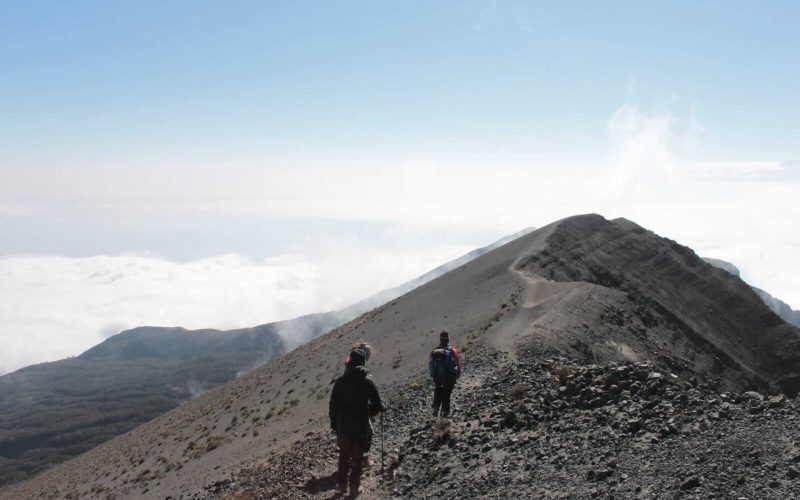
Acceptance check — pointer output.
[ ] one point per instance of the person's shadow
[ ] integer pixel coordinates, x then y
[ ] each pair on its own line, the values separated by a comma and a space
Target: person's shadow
323, 484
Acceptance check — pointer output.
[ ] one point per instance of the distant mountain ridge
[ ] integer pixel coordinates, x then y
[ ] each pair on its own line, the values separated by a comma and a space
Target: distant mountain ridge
778, 306
52, 411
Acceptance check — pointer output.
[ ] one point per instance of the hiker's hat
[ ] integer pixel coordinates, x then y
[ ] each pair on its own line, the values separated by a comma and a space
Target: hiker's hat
361, 346
364, 346
444, 335
357, 357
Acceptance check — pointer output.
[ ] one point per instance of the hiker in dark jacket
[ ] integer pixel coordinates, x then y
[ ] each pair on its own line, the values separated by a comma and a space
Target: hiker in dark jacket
444, 365
364, 346
354, 399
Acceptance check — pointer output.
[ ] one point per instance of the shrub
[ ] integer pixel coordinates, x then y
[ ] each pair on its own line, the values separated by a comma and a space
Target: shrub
442, 430
143, 476
239, 495
561, 373
432, 474
401, 402
213, 442
518, 390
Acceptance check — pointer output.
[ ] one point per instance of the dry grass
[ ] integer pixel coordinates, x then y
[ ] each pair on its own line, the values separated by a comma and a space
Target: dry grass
401, 402
239, 495
561, 373
519, 390
213, 442
144, 476
442, 429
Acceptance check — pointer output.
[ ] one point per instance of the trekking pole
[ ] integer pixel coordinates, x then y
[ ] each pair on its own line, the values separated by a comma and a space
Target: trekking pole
383, 440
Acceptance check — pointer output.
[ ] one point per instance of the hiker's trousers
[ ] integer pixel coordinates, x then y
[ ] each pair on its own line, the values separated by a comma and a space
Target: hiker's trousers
351, 461
441, 398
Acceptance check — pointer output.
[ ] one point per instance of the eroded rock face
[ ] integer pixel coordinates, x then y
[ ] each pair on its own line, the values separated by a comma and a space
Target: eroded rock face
777, 306
731, 330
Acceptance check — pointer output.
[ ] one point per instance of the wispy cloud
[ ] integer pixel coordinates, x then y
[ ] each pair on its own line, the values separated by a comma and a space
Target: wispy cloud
642, 161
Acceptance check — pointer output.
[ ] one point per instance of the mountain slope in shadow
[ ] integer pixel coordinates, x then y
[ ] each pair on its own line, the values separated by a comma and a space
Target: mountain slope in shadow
778, 306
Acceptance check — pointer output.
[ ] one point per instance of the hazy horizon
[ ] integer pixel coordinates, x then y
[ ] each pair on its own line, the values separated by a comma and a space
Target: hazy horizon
197, 165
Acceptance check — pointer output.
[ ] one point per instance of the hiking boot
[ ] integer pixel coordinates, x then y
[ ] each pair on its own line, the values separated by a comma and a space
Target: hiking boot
355, 490
435, 412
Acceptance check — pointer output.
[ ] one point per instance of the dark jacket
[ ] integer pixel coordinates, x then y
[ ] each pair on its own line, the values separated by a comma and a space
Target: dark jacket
354, 399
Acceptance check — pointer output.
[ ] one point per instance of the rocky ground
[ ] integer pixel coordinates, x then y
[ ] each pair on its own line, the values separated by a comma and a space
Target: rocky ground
541, 426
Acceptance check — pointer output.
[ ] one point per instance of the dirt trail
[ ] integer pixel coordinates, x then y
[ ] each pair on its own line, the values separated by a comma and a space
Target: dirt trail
537, 292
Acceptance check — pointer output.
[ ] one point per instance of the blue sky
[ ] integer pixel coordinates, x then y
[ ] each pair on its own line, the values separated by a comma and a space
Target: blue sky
356, 134
98, 81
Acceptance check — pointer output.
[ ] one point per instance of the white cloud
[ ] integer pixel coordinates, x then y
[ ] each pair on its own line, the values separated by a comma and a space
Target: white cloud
55, 307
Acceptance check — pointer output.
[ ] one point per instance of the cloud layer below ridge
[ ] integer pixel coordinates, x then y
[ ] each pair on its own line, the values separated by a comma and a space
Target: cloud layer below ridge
55, 307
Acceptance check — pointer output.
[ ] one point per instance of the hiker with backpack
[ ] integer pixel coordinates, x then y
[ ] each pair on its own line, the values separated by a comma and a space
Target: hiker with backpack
444, 366
354, 399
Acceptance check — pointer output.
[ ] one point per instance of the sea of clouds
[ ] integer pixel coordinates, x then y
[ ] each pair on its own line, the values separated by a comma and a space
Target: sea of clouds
55, 307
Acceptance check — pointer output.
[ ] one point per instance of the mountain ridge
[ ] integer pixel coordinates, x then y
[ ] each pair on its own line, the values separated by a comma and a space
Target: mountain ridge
778, 306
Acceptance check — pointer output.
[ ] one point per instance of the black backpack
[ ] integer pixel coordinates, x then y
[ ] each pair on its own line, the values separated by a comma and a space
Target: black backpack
444, 363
